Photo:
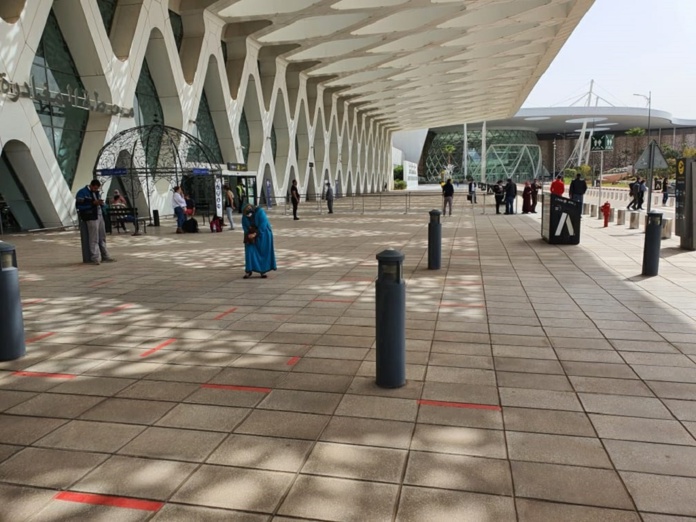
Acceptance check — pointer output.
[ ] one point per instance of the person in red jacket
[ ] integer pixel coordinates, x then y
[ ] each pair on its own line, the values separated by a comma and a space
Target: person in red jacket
557, 186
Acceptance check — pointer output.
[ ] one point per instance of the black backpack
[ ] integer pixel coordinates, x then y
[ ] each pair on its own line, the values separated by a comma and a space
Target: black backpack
190, 226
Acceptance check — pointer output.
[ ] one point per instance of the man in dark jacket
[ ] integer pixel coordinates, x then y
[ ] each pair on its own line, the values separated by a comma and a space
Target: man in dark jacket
499, 192
90, 208
577, 189
447, 197
510, 196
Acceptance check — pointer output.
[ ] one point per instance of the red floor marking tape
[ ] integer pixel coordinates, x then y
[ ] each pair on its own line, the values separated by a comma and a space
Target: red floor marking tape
46, 375
465, 405
39, 337
293, 361
226, 312
101, 283
236, 388
461, 305
333, 300
105, 500
158, 347
117, 309
32, 302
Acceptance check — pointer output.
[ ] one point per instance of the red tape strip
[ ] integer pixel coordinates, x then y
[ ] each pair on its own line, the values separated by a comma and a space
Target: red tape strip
39, 337
158, 347
117, 309
106, 500
225, 313
461, 305
465, 405
294, 360
232, 387
45, 375
32, 302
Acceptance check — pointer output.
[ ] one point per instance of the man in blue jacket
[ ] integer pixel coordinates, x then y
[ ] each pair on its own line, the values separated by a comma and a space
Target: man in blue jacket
90, 208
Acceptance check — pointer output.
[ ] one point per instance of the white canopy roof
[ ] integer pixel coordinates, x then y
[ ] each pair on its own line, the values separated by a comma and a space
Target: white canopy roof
416, 63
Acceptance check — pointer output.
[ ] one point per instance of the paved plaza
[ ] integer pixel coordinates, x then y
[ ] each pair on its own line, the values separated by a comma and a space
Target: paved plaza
545, 383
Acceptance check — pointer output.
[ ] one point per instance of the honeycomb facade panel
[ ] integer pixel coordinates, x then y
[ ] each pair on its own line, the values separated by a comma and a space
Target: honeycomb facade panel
286, 84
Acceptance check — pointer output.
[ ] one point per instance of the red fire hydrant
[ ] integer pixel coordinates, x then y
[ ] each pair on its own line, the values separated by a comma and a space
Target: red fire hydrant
606, 211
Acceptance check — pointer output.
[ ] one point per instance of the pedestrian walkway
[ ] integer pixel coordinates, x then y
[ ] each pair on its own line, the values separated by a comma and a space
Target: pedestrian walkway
545, 383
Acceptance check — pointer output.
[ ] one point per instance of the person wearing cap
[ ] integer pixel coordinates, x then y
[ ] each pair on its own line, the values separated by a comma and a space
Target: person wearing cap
90, 207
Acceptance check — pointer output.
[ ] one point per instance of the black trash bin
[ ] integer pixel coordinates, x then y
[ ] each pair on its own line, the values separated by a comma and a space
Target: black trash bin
560, 220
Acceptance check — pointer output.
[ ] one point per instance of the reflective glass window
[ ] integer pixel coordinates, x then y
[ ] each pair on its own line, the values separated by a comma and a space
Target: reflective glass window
244, 136
177, 27
107, 8
205, 130
53, 67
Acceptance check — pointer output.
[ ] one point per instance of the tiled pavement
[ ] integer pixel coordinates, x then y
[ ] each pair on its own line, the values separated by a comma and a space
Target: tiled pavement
544, 383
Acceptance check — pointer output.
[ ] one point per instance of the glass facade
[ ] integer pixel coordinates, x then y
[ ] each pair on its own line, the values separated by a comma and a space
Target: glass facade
510, 154
16, 210
205, 130
147, 107
178, 28
244, 136
64, 126
274, 143
107, 8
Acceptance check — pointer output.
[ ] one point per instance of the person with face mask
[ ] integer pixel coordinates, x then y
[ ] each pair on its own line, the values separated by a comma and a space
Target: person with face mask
259, 254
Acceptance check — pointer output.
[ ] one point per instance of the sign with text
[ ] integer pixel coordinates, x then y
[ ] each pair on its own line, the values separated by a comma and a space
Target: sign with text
237, 167
411, 175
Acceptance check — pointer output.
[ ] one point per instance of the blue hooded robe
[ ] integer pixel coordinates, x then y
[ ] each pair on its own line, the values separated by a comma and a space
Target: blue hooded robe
259, 256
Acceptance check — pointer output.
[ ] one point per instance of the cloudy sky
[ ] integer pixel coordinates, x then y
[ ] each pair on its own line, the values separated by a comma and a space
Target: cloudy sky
627, 47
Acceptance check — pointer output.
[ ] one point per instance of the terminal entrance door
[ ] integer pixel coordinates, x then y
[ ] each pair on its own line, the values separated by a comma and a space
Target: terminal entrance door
246, 192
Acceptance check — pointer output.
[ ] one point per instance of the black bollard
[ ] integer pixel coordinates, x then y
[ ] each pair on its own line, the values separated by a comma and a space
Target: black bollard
11, 322
390, 314
651, 248
434, 241
84, 241
155, 218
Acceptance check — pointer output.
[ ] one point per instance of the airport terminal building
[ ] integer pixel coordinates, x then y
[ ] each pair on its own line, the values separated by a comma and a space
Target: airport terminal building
309, 90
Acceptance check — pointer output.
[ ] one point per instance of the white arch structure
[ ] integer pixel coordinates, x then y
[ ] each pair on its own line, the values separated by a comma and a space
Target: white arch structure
339, 75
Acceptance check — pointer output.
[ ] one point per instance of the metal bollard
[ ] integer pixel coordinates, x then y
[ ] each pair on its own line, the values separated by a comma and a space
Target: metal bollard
634, 220
585, 208
155, 218
666, 228
621, 217
651, 248
593, 210
434, 241
11, 322
390, 316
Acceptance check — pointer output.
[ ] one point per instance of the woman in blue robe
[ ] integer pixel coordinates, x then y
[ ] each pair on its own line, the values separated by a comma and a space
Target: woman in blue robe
259, 255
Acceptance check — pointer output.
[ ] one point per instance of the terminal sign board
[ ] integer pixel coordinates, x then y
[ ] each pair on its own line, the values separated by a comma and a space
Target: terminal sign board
237, 167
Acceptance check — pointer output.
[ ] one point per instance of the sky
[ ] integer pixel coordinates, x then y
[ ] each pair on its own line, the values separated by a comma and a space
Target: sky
627, 47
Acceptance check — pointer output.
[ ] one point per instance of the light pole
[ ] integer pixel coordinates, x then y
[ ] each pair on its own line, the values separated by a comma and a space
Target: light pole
648, 99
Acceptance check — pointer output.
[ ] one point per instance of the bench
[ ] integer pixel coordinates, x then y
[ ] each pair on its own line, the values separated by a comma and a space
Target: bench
118, 216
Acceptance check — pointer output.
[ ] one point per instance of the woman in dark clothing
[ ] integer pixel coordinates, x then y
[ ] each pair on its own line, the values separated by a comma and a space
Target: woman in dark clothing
535, 194
527, 198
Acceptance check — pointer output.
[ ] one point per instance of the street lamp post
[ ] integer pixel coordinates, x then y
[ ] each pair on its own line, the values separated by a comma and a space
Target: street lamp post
648, 98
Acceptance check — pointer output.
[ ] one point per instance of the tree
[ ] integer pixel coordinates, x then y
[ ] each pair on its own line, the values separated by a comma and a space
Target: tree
398, 172
636, 133
449, 150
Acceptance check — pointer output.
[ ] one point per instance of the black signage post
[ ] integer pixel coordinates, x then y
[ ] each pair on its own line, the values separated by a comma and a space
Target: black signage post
560, 220
685, 203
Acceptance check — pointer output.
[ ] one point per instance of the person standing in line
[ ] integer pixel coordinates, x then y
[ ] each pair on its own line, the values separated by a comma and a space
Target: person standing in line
329, 197
295, 199
447, 197
499, 193
259, 254
510, 196
577, 189
535, 194
557, 186
527, 198
90, 207
179, 206
665, 191
472, 191
642, 190
241, 195
229, 205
